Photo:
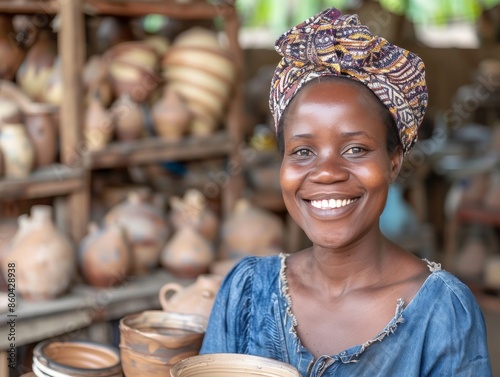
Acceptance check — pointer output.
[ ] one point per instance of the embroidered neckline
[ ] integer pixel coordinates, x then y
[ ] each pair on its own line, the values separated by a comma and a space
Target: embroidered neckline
390, 328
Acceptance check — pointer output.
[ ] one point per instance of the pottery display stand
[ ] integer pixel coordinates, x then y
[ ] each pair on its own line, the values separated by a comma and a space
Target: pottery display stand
80, 308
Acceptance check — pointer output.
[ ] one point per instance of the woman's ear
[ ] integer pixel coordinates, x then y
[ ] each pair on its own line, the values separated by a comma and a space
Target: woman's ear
396, 163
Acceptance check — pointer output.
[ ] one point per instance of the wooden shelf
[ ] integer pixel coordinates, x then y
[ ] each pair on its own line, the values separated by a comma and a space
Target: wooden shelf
479, 214
53, 180
150, 150
29, 6
171, 8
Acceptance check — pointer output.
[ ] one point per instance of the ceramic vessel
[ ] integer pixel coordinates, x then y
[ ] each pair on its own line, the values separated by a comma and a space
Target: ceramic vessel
17, 150
45, 259
39, 119
53, 91
11, 51
104, 256
76, 359
151, 342
36, 68
10, 112
171, 116
197, 298
128, 118
250, 230
187, 254
98, 126
193, 210
145, 226
230, 365
112, 31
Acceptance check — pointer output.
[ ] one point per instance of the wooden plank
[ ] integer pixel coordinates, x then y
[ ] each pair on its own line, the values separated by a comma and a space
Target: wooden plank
50, 181
196, 11
29, 7
150, 150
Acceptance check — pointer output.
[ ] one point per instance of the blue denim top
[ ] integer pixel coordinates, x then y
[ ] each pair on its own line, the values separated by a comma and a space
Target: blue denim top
441, 332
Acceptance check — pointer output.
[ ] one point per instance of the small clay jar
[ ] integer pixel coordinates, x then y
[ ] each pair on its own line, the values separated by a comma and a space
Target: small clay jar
17, 149
171, 116
104, 256
128, 118
10, 112
146, 228
76, 358
45, 259
42, 131
98, 125
197, 298
11, 51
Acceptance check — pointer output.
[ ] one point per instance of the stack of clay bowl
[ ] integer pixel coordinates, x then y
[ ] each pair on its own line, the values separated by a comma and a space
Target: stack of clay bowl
151, 342
229, 365
203, 72
75, 359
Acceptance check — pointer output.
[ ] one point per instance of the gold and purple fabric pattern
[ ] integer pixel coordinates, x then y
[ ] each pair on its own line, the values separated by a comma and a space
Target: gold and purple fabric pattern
332, 44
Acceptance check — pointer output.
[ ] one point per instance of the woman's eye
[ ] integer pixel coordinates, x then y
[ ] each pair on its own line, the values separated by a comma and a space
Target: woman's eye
355, 150
302, 152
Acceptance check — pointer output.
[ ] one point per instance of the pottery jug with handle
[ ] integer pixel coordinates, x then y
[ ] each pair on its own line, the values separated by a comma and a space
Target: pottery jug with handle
197, 298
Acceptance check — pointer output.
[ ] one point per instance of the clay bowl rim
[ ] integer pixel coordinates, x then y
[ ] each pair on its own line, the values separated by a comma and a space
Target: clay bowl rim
38, 352
227, 359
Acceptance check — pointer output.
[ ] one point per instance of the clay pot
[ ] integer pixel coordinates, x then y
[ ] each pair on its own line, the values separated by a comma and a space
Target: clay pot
146, 229
76, 359
229, 365
10, 112
197, 298
171, 117
39, 119
53, 92
45, 259
151, 342
98, 126
112, 31
187, 254
250, 230
36, 68
17, 149
11, 51
104, 255
192, 210
128, 118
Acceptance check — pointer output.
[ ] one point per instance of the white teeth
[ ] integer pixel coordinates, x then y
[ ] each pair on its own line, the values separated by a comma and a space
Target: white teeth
332, 203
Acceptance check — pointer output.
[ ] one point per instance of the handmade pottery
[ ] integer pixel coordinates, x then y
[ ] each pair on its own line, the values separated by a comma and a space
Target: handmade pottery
145, 226
151, 342
187, 254
45, 259
250, 230
229, 365
39, 119
10, 112
17, 150
76, 358
36, 67
197, 298
112, 31
53, 91
104, 256
171, 116
11, 51
98, 126
128, 118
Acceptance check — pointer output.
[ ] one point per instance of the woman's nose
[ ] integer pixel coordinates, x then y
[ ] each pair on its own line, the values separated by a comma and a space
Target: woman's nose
329, 169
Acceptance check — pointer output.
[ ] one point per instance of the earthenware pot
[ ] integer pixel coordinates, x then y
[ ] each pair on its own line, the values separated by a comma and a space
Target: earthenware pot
36, 67
45, 259
104, 255
11, 51
229, 365
151, 342
128, 118
17, 150
197, 298
171, 116
98, 126
76, 358
146, 228
39, 119
187, 254
10, 112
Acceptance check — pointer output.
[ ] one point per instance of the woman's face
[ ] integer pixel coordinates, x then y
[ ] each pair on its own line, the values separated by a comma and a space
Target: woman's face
336, 169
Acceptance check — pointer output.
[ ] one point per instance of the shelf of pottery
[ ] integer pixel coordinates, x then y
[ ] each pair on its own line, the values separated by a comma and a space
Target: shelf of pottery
87, 86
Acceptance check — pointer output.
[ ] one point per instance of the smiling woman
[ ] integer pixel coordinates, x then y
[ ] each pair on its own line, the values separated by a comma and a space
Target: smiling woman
347, 106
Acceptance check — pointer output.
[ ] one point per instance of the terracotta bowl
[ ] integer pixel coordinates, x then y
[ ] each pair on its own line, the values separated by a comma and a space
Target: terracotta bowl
76, 358
151, 342
230, 365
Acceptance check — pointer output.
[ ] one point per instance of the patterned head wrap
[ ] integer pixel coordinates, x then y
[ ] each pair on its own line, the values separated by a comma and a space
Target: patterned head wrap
332, 44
